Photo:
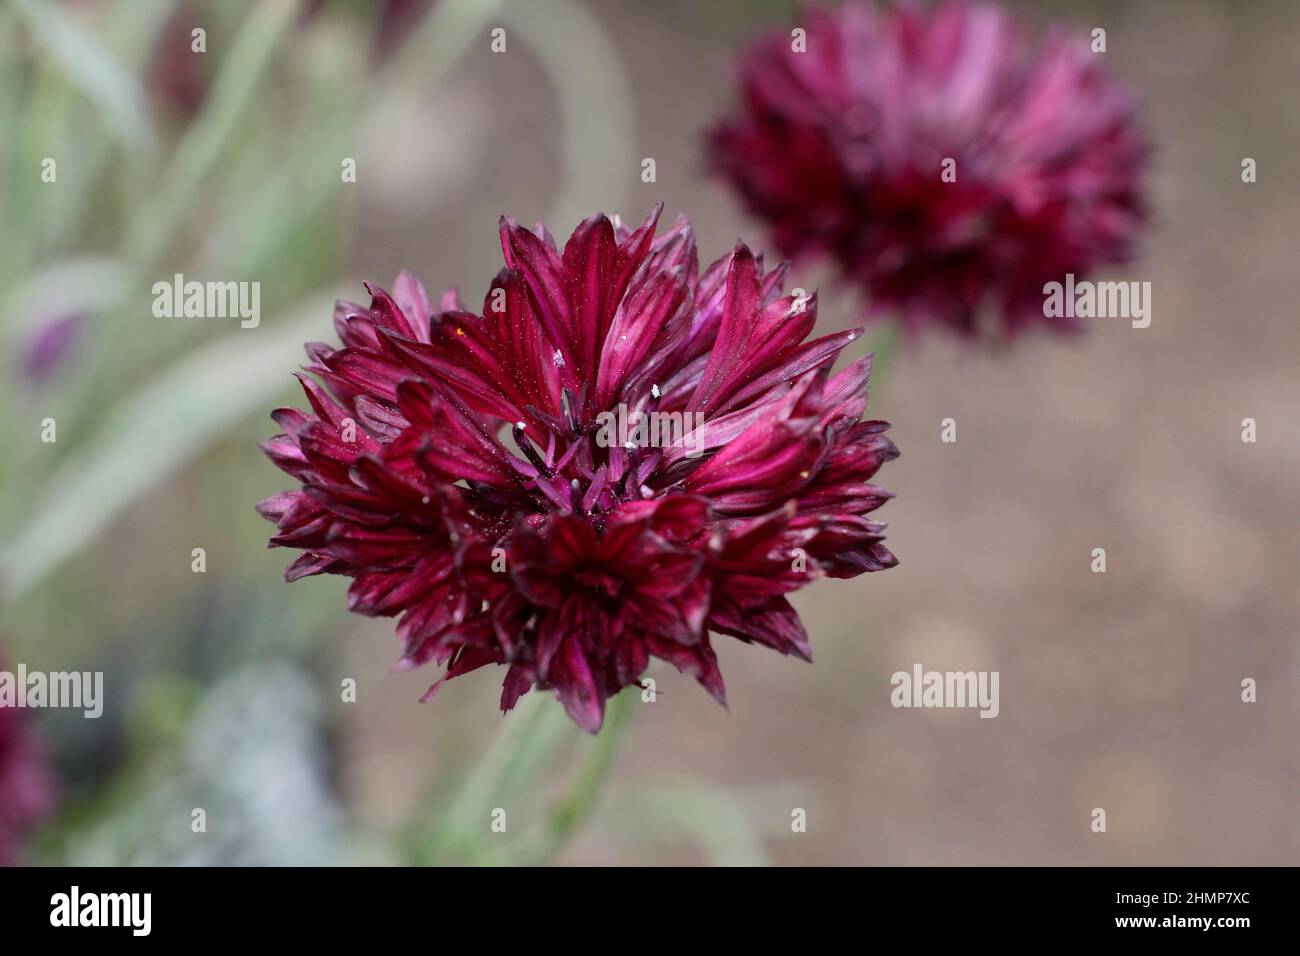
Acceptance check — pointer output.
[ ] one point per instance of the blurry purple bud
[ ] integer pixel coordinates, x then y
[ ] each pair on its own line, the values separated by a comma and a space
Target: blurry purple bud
49, 346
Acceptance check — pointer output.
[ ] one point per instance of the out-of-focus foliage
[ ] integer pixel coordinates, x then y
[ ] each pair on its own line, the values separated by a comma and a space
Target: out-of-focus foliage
225, 165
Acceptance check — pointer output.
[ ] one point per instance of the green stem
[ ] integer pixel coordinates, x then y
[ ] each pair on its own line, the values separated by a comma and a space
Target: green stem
572, 810
524, 746
884, 343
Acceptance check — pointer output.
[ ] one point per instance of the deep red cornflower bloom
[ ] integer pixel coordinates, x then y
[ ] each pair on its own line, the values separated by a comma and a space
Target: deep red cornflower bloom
26, 787
843, 149
617, 458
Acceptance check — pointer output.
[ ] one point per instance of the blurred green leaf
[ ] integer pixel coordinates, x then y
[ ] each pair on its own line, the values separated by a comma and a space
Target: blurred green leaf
151, 434
93, 71
232, 93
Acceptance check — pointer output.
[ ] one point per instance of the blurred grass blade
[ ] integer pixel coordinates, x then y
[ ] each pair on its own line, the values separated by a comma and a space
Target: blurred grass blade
151, 434
595, 96
232, 92
435, 46
92, 70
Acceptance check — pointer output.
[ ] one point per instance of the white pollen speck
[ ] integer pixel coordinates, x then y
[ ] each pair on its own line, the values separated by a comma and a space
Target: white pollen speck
558, 359
519, 425
654, 390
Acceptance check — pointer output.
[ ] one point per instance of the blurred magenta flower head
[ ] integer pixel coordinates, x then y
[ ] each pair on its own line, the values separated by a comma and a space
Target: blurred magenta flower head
617, 458
26, 785
948, 162
177, 76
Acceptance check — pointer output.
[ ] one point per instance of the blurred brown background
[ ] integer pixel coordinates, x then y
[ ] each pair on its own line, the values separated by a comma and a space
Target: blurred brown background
1119, 690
